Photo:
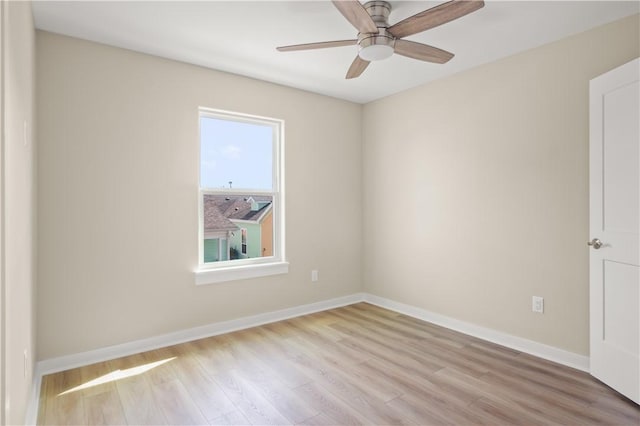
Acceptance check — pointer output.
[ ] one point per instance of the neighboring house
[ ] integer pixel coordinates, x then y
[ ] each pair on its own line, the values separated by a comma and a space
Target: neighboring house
237, 227
217, 231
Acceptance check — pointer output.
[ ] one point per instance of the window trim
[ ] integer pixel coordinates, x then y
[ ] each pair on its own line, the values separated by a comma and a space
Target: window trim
232, 273
237, 269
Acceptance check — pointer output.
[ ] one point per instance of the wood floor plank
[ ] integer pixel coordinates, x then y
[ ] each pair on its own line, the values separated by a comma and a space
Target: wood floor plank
176, 404
419, 412
373, 382
347, 387
361, 400
541, 405
283, 398
418, 389
339, 375
334, 354
253, 405
320, 326
358, 364
397, 327
205, 392
616, 409
268, 381
162, 359
567, 375
231, 418
104, 408
319, 420
503, 414
65, 409
330, 405
279, 357
93, 374
214, 355
137, 400
412, 360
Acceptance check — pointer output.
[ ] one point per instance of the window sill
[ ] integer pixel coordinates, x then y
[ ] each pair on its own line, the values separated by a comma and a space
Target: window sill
232, 273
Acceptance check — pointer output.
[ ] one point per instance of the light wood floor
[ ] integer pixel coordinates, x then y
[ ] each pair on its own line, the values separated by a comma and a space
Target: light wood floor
354, 365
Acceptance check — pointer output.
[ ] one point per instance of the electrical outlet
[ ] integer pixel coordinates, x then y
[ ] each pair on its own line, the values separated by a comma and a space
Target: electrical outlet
314, 275
537, 304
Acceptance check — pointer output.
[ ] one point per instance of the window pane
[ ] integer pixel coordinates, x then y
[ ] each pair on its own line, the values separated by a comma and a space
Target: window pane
237, 226
235, 154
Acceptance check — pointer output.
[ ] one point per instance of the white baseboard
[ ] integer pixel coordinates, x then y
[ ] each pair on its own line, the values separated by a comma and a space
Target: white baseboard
67, 362
570, 359
560, 356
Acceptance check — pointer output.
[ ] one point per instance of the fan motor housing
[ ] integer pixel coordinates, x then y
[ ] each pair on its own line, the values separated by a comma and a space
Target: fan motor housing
379, 12
375, 47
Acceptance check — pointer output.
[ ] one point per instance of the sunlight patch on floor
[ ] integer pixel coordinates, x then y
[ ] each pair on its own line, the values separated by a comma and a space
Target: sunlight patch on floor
118, 375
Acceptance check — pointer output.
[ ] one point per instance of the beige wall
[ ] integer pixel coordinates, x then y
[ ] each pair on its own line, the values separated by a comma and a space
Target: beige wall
118, 179
474, 199
476, 189
18, 209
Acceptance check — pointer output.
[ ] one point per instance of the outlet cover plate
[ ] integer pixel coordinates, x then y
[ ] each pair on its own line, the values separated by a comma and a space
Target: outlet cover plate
537, 304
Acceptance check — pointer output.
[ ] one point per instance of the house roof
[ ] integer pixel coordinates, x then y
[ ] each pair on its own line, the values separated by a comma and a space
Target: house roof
220, 210
214, 220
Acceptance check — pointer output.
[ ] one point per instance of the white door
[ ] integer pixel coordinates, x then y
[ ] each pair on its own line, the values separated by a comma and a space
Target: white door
614, 228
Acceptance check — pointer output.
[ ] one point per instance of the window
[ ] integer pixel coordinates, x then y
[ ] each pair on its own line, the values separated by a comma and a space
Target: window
241, 226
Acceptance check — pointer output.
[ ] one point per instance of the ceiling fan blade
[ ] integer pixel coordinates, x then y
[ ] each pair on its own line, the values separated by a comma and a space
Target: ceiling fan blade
320, 45
423, 52
357, 67
433, 17
357, 15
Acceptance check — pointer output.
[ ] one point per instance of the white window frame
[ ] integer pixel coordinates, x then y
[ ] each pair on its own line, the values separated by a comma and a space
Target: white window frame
229, 270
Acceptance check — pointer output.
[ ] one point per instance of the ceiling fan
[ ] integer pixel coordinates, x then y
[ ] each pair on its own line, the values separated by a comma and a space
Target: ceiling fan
378, 40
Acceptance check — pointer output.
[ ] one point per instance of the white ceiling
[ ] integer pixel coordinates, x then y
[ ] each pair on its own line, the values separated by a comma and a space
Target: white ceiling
241, 36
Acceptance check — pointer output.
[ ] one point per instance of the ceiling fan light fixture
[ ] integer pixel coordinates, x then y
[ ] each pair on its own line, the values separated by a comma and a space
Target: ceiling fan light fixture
375, 52
375, 47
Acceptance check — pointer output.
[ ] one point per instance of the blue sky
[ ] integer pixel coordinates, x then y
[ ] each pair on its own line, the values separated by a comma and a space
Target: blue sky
237, 152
